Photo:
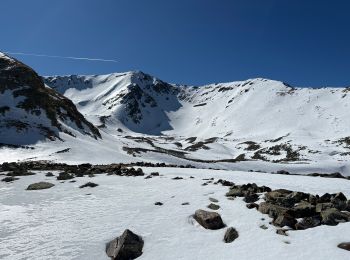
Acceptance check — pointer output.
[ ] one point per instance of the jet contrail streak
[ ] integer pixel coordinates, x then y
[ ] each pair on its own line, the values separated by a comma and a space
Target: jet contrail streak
61, 57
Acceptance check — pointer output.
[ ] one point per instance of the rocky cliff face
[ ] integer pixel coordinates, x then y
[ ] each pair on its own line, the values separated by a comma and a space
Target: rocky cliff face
31, 111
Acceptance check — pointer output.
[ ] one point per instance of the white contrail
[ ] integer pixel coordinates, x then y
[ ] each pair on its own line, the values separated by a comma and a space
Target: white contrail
61, 57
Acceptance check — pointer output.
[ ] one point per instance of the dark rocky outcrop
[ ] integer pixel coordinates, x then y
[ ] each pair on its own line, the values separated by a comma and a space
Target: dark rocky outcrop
208, 220
35, 103
126, 247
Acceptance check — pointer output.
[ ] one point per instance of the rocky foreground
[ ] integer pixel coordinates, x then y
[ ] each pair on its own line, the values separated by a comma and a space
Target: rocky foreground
286, 210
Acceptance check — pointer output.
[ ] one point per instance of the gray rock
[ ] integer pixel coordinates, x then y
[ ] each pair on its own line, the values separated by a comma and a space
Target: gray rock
285, 220
213, 200
208, 220
252, 206
127, 246
64, 176
309, 222
88, 184
251, 197
9, 179
40, 186
304, 209
272, 210
231, 234
282, 232
333, 216
213, 206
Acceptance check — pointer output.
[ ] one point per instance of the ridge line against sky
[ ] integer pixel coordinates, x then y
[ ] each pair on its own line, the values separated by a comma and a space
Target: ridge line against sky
304, 43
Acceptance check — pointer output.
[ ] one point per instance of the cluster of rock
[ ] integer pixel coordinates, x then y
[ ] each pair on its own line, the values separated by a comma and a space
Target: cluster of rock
286, 206
296, 210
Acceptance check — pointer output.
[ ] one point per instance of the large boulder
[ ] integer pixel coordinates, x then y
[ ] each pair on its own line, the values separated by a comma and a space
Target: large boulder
208, 220
40, 186
127, 246
230, 235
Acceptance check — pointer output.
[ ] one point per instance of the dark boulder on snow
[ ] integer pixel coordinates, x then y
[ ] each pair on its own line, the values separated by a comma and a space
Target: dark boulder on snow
213, 206
345, 246
64, 176
231, 234
208, 220
9, 179
88, 184
127, 246
40, 186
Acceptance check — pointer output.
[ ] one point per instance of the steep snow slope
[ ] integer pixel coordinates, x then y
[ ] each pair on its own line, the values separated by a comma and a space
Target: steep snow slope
134, 100
31, 111
257, 108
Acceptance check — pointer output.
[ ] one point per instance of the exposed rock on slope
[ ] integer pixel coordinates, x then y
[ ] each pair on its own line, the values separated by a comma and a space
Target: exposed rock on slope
30, 111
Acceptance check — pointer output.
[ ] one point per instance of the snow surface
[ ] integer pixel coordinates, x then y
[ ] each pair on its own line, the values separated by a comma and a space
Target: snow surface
64, 222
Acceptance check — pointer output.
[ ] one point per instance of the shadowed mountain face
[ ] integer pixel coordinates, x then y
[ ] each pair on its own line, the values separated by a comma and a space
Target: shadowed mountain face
30, 111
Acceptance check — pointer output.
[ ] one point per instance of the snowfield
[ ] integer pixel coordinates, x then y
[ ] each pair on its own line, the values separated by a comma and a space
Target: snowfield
66, 222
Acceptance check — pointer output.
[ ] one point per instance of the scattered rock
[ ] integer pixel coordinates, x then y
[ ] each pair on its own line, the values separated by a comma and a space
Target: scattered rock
158, 203
345, 245
127, 246
64, 176
49, 174
252, 206
213, 206
185, 203
263, 227
40, 186
251, 197
9, 179
282, 232
213, 200
231, 234
208, 220
88, 184
177, 178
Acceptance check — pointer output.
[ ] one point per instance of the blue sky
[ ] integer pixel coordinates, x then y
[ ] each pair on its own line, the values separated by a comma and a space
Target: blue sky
304, 43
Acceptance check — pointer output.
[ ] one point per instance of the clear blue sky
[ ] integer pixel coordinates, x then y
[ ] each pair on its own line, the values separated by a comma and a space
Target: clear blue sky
302, 42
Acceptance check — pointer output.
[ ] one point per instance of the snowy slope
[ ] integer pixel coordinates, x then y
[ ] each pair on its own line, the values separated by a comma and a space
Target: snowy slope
261, 119
32, 112
66, 223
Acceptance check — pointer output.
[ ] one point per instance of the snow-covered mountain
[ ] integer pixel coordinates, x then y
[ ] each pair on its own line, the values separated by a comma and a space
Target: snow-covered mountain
31, 111
253, 124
